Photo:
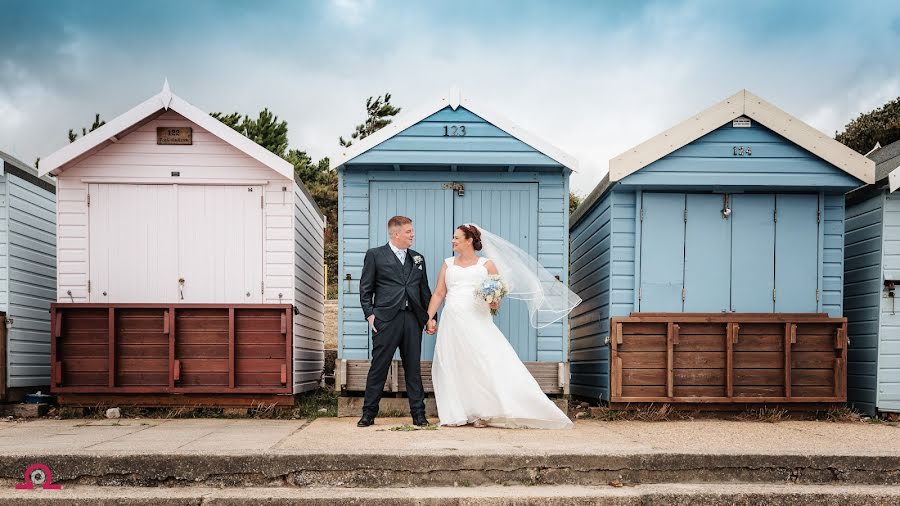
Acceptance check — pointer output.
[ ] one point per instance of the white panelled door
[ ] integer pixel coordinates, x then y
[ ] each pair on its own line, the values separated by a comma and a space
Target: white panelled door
145, 239
132, 244
220, 238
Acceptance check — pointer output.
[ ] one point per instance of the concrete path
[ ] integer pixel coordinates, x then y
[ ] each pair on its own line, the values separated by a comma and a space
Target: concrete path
340, 436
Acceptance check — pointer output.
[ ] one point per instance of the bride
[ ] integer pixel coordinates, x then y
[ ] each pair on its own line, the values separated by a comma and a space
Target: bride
478, 378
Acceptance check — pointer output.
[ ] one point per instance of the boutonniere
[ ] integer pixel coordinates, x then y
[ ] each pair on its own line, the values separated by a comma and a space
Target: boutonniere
418, 261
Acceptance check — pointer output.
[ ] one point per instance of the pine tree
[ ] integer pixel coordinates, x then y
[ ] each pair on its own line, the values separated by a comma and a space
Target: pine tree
379, 114
265, 130
84, 131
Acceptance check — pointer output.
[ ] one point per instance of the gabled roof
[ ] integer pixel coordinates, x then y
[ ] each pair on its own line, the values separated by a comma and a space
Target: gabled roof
164, 100
454, 101
743, 103
11, 164
886, 159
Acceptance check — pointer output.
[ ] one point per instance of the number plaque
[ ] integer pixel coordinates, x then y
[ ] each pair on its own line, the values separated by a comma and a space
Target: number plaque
174, 135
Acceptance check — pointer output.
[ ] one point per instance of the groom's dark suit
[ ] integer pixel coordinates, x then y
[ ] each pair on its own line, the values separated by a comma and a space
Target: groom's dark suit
398, 295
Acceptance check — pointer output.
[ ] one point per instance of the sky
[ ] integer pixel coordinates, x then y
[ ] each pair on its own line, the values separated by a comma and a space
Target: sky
593, 78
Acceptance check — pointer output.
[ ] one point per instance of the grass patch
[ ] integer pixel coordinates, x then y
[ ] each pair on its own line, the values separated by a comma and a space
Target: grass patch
840, 415
763, 414
411, 428
317, 404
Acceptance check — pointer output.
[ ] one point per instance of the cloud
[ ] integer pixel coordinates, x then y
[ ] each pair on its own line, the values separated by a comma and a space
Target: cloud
352, 12
593, 79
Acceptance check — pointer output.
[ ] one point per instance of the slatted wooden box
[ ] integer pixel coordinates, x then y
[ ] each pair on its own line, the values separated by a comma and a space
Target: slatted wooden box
728, 358
216, 354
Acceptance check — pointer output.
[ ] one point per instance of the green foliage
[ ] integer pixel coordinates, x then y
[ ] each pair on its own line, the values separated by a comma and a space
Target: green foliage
379, 114
879, 126
574, 202
84, 131
265, 130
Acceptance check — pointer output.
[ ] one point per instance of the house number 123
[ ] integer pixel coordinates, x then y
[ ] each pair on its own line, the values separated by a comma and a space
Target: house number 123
741, 151
454, 131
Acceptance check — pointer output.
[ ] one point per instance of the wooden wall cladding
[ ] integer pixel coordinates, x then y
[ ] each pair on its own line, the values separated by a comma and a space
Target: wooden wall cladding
158, 349
728, 358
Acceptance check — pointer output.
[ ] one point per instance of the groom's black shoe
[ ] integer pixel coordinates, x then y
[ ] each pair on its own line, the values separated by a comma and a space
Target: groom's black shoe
419, 420
366, 420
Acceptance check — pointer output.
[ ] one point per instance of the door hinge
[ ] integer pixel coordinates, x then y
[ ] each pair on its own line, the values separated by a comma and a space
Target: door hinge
642, 215
683, 294
818, 216
89, 286
640, 293
685, 215
262, 202
773, 295
89, 200
775, 215
817, 295
262, 287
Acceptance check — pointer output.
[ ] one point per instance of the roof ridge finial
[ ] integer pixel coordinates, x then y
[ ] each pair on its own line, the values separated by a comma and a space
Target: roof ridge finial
166, 94
455, 97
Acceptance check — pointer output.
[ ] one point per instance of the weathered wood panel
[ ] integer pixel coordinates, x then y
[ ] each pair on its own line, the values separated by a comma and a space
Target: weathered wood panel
732, 357
547, 374
108, 349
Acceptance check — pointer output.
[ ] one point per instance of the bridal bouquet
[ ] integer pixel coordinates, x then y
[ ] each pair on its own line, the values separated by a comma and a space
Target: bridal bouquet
492, 290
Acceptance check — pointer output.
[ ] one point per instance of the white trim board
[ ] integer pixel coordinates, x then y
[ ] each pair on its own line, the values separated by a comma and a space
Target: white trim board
894, 179
164, 100
743, 103
454, 101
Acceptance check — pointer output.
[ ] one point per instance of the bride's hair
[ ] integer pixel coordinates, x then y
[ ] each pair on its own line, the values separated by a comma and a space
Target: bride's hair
472, 232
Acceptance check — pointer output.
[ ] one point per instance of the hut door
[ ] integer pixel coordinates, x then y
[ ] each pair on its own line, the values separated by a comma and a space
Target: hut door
662, 252
430, 206
510, 211
220, 244
132, 247
707, 254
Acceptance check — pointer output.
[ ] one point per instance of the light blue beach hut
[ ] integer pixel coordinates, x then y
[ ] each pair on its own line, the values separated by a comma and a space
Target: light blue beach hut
449, 163
736, 216
27, 277
871, 279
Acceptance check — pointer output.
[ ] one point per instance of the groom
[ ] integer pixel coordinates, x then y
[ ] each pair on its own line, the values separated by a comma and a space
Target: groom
394, 294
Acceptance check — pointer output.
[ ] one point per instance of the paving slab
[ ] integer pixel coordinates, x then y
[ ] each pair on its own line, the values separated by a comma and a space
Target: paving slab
334, 452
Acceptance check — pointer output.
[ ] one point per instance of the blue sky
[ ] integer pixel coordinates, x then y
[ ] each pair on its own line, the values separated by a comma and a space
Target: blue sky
593, 78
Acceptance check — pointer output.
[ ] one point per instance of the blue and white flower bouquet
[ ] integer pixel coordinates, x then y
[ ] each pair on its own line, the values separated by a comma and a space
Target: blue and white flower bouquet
492, 290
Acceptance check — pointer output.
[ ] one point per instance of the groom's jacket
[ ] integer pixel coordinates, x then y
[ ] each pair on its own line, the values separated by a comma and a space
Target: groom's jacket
386, 285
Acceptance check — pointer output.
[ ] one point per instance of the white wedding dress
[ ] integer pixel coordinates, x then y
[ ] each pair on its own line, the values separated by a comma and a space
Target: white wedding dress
476, 372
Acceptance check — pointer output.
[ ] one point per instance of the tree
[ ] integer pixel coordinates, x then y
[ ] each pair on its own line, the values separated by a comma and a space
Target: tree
84, 131
379, 114
318, 177
879, 126
574, 202
265, 130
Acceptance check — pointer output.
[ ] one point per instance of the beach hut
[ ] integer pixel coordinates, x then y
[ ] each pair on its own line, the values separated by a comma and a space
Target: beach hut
191, 265
452, 162
871, 279
710, 261
27, 277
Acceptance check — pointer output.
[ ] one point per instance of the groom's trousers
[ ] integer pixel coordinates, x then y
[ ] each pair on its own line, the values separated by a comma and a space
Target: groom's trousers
403, 332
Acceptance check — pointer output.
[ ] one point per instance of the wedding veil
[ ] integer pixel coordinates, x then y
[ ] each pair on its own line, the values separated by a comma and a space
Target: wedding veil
547, 298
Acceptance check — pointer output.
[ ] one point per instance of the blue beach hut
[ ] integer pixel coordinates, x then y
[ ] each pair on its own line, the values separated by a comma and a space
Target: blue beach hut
449, 163
871, 279
710, 261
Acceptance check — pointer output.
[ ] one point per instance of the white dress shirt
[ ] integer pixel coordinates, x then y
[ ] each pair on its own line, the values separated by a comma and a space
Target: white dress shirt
401, 253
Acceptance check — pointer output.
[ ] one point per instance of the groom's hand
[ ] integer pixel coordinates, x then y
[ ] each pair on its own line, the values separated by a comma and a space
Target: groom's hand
371, 319
431, 328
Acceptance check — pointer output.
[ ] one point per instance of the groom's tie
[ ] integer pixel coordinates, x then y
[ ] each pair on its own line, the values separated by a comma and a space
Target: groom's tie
401, 254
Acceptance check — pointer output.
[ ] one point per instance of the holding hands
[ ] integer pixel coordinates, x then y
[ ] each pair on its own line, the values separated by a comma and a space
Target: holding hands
431, 327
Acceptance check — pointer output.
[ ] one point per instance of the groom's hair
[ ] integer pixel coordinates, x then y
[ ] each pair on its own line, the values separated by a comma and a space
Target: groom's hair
397, 222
